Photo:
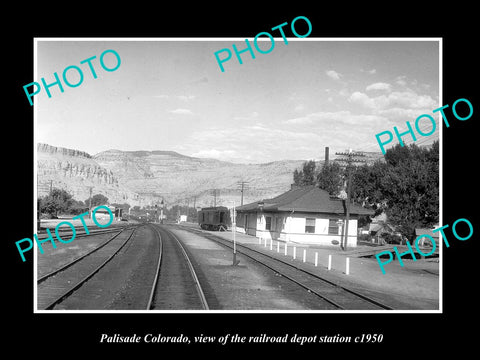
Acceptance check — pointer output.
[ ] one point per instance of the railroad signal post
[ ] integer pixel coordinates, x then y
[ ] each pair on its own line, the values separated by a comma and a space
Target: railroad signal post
162, 205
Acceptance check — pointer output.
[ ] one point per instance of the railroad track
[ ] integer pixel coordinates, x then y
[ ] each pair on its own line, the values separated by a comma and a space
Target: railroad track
163, 279
176, 285
80, 232
79, 258
339, 297
57, 285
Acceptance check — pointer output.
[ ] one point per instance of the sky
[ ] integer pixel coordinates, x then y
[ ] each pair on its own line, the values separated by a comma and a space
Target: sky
288, 104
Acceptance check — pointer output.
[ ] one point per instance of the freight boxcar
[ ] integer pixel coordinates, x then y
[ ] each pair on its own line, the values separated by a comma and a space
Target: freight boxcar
214, 218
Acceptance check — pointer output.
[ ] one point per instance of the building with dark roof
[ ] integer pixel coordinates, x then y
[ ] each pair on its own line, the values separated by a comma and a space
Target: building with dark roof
305, 214
423, 241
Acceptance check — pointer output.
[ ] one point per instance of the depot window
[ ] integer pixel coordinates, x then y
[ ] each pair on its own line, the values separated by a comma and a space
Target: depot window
310, 225
268, 223
333, 227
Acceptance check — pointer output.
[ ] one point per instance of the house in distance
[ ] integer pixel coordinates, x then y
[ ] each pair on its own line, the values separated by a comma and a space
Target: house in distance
304, 214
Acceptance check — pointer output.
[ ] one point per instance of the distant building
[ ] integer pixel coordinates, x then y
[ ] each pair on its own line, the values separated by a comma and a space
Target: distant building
102, 212
379, 228
303, 215
425, 241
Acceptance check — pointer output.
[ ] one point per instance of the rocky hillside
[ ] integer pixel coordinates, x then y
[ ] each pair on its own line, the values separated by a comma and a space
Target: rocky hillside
76, 171
147, 177
178, 178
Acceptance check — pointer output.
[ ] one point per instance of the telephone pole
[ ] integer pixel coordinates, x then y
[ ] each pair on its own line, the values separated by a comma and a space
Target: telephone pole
214, 197
90, 203
350, 159
242, 188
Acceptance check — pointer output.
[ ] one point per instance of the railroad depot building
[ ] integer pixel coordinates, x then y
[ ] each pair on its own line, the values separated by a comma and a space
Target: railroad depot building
305, 214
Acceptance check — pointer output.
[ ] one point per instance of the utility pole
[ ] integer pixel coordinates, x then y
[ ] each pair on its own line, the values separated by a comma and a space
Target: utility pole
242, 189
195, 208
351, 157
234, 229
214, 197
90, 203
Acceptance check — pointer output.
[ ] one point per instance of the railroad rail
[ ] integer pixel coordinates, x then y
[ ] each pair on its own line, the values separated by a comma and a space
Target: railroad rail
79, 231
74, 261
56, 286
338, 296
175, 277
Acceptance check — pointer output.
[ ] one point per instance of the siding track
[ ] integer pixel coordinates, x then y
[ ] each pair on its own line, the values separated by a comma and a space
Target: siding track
338, 296
56, 286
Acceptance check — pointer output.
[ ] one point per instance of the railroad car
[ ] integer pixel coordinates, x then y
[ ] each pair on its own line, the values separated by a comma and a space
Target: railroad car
214, 218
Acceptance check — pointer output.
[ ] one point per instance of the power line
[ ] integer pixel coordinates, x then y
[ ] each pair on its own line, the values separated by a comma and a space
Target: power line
424, 128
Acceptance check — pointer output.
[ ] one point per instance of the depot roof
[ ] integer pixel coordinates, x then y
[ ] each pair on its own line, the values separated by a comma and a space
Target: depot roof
305, 199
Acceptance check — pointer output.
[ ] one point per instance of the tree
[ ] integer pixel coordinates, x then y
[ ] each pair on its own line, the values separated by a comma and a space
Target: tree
405, 187
77, 207
97, 199
306, 176
411, 188
367, 186
58, 200
297, 177
309, 173
330, 178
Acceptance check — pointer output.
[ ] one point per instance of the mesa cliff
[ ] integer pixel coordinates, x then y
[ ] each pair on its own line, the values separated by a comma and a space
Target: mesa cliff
177, 178
148, 177
76, 171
